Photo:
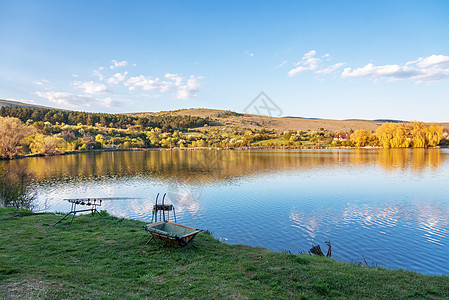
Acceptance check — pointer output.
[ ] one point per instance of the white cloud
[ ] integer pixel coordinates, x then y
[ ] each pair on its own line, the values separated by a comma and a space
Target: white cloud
330, 69
251, 54
311, 63
188, 90
91, 87
77, 101
117, 77
297, 70
109, 102
147, 83
41, 82
75, 75
183, 88
433, 60
429, 69
282, 64
71, 100
116, 64
98, 74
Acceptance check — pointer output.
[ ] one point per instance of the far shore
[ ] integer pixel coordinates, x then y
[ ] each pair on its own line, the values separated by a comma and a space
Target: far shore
316, 147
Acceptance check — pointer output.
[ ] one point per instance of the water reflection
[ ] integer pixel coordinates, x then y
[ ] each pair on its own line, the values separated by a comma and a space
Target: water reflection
390, 205
211, 166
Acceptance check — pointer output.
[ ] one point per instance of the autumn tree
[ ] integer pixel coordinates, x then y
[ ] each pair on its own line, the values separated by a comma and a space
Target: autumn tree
418, 131
361, 138
416, 134
12, 137
393, 135
385, 134
434, 134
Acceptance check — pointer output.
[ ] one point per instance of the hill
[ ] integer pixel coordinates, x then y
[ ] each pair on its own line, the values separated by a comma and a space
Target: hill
22, 104
226, 117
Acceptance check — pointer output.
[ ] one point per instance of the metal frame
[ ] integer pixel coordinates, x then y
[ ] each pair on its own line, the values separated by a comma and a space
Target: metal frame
190, 243
184, 241
88, 201
162, 208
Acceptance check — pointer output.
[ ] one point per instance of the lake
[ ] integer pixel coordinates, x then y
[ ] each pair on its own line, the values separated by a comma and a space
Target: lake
389, 206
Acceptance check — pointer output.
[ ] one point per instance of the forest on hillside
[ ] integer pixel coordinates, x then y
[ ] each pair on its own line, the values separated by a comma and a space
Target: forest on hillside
25, 131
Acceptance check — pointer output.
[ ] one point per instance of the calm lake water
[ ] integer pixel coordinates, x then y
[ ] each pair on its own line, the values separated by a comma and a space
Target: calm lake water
389, 206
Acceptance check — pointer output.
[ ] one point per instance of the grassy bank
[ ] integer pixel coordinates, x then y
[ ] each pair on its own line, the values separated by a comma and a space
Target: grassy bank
106, 257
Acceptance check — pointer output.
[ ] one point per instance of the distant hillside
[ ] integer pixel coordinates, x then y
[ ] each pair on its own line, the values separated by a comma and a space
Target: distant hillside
226, 117
21, 104
223, 117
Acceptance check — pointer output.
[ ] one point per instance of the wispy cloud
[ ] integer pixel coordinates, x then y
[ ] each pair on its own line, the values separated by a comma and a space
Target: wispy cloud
422, 70
41, 82
77, 101
330, 69
98, 74
117, 78
91, 87
183, 88
309, 62
118, 85
282, 64
67, 99
116, 64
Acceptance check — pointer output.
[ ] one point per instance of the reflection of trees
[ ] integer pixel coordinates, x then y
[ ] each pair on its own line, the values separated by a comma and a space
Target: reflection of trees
15, 189
416, 159
205, 166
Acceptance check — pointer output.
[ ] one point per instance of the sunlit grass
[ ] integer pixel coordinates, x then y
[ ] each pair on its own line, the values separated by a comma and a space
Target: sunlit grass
106, 257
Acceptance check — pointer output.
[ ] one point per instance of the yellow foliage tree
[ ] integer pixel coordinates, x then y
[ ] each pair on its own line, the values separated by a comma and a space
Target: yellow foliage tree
400, 136
361, 137
434, 134
41, 144
417, 134
392, 135
385, 134
418, 131
12, 136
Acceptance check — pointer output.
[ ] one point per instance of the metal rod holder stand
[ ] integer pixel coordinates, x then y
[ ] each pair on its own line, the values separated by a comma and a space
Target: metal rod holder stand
76, 202
161, 209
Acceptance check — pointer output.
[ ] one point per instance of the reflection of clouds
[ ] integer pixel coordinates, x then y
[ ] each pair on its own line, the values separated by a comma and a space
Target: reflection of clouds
309, 223
371, 216
427, 220
433, 222
184, 198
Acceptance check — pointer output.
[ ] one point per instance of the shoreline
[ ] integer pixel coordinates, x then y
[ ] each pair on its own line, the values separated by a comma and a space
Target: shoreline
108, 258
318, 147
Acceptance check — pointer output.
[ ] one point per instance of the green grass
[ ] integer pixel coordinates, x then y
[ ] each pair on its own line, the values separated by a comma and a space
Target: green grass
106, 257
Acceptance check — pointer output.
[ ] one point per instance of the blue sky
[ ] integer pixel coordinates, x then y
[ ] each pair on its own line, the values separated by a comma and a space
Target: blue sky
323, 59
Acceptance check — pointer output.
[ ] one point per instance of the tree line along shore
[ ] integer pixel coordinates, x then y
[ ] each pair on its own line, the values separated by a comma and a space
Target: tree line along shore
43, 131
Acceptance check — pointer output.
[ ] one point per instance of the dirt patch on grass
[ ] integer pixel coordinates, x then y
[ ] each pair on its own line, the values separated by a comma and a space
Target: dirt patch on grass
30, 288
